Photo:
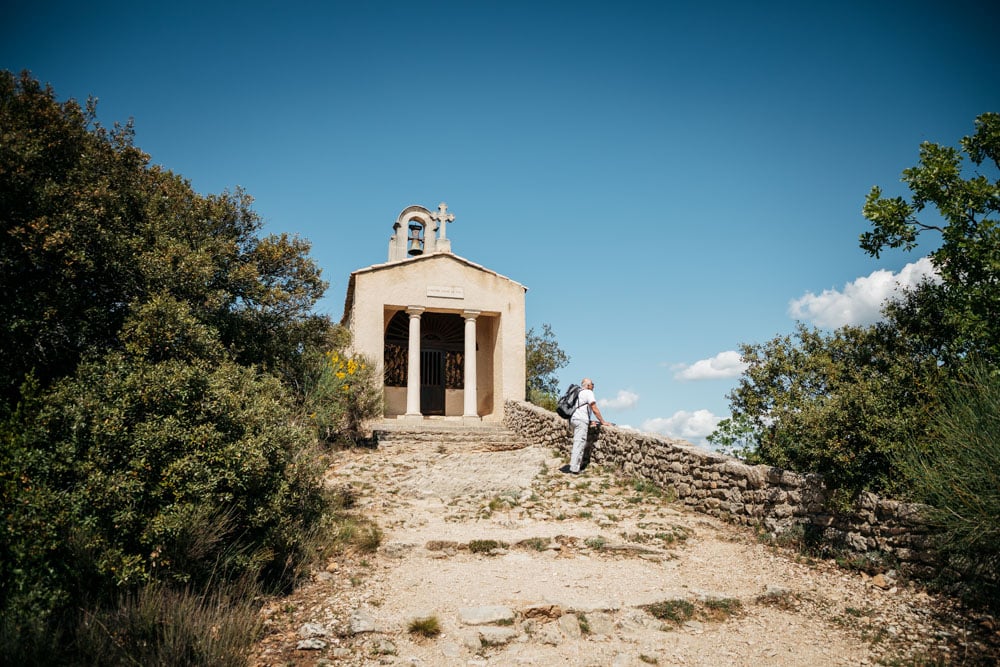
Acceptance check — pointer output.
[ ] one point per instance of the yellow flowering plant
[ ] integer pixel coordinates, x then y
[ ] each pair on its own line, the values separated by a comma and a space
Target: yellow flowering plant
343, 393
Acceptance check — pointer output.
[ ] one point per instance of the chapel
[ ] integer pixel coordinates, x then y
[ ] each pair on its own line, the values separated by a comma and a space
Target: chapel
447, 334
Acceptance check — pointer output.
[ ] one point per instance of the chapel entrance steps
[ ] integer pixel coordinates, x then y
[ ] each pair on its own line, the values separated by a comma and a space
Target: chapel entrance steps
451, 436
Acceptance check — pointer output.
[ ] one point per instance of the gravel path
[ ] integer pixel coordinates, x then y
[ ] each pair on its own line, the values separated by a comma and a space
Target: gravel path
521, 564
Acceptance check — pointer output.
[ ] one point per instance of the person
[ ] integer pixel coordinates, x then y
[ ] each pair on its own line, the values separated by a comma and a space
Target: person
581, 420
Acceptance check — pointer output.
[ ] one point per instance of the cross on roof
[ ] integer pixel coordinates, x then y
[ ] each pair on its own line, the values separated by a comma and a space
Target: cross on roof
443, 216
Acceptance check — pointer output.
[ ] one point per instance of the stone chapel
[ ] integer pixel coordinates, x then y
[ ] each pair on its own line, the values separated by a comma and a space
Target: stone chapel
447, 334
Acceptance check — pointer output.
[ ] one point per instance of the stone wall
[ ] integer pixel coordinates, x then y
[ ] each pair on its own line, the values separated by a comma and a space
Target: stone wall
778, 501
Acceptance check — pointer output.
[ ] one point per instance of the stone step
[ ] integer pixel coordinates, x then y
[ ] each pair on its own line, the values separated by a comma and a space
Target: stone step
463, 436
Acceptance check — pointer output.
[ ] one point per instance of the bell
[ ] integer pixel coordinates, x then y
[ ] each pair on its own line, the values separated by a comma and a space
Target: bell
416, 241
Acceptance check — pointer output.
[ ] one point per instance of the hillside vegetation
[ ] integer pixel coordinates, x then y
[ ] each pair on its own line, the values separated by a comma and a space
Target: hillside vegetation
165, 393
906, 407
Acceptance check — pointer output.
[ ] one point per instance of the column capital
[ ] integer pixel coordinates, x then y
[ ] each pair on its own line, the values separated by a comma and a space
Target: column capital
471, 314
415, 311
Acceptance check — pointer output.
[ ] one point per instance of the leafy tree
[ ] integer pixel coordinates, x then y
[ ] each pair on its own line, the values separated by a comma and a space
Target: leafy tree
90, 230
847, 402
70, 195
961, 314
543, 358
154, 358
838, 404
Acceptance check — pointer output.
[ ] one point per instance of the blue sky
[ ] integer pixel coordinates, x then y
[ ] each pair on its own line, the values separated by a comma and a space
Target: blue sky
692, 174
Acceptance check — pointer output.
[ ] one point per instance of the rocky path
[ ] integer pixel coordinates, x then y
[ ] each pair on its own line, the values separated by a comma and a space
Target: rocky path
493, 556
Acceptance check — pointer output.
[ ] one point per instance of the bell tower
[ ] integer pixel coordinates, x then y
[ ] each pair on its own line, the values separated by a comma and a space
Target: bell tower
417, 231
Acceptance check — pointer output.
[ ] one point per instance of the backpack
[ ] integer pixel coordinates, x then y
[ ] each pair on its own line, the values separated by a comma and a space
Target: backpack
568, 404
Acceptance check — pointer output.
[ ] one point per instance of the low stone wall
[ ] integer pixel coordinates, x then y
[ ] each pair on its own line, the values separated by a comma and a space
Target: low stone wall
777, 500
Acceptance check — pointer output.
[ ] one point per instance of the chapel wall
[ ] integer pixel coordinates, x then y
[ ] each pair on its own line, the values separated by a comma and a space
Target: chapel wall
778, 501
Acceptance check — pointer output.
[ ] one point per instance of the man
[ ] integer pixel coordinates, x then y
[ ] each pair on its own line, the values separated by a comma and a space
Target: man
581, 420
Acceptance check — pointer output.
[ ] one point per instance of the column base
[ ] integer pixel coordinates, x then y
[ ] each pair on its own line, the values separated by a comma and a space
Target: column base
411, 417
471, 419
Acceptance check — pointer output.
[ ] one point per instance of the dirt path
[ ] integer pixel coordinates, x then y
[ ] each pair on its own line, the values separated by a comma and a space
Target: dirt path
521, 564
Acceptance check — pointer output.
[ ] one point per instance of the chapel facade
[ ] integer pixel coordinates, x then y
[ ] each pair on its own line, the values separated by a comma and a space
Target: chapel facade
447, 334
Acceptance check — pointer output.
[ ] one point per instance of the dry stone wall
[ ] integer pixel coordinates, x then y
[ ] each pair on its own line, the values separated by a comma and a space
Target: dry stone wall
778, 501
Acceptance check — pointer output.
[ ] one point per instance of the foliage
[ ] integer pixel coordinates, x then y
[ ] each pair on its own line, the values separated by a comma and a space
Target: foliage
961, 314
341, 393
543, 399
91, 230
164, 470
153, 368
837, 404
845, 403
165, 626
676, 611
956, 472
543, 357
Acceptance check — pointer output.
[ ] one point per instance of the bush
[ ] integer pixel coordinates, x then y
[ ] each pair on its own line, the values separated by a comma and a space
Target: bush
957, 474
341, 393
543, 399
132, 472
165, 626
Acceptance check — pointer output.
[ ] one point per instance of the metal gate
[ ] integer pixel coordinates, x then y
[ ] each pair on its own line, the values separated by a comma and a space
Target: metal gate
432, 382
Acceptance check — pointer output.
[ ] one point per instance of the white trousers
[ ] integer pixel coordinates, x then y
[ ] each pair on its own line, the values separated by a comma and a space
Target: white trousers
580, 428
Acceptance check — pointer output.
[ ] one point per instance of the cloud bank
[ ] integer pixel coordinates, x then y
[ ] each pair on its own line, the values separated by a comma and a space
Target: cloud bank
860, 303
691, 426
723, 365
623, 401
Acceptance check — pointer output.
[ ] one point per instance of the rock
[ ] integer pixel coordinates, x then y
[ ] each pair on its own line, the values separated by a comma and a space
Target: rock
549, 610
362, 622
385, 647
694, 626
493, 635
485, 615
311, 645
311, 630
470, 640
881, 581
396, 549
601, 624
570, 626
550, 634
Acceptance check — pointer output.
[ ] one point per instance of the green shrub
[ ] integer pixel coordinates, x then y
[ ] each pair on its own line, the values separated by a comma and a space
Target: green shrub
341, 393
957, 474
676, 611
132, 472
543, 399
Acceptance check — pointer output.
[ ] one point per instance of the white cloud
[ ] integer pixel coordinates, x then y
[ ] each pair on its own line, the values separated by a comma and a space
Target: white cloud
860, 302
723, 365
623, 401
692, 426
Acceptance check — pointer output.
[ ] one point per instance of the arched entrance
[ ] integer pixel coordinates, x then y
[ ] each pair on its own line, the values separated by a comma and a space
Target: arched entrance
442, 340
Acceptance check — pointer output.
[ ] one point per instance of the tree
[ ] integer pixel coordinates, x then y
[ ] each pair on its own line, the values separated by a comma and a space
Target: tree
153, 356
961, 314
90, 230
846, 403
543, 358
839, 404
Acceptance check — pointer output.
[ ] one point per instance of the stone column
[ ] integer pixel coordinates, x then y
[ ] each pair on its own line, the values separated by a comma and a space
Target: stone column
413, 365
471, 412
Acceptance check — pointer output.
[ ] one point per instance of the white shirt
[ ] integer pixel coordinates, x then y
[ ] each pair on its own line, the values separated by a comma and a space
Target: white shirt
584, 399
